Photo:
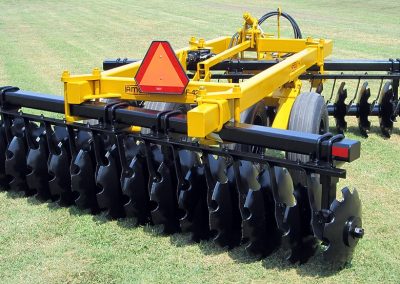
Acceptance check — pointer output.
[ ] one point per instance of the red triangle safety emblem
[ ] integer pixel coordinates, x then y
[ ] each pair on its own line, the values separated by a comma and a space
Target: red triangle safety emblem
161, 71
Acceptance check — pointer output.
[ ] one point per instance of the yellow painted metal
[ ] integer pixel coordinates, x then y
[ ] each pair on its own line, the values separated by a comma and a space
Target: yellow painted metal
279, 21
203, 68
286, 98
250, 30
136, 128
208, 117
286, 45
266, 82
217, 102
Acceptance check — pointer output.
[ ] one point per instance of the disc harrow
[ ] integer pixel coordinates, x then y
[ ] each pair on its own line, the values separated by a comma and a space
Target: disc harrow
245, 162
213, 193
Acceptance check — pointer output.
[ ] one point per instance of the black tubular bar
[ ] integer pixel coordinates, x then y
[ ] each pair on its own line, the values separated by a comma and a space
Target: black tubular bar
283, 140
354, 111
35, 100
391, 66
114, 63
359, 65
320, 168
311, 76
232, 76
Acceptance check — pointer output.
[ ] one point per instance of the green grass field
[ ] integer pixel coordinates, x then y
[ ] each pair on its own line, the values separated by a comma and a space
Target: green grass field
42, 243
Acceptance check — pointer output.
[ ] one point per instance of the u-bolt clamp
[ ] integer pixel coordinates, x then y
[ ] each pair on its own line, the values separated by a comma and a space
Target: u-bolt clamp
111, 114
166, 118
109, 109
321, 139
159, 116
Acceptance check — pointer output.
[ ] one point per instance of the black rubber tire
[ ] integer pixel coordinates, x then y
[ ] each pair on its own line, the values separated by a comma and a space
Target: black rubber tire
255, 114
309, 114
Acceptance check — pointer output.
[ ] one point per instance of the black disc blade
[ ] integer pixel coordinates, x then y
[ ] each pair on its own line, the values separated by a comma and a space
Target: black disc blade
3, 148
60, 178
259, 225
83, 170
303, 244
315, 196
247, 186
345, 229
134, 181
364, 109
192, 202
15, 164
83, 183
341, 109
293, 215
386, 109
59, 166
134, 188
188, 195
108, 176
220, 214
224, 212
163, 197
38, 177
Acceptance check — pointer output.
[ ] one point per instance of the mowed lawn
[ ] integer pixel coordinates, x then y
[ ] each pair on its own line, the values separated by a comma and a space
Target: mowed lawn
43, 243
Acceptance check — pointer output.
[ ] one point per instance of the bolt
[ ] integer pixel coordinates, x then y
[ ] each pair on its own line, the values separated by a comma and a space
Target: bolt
358, 232
281, 205
96, 72
65, 74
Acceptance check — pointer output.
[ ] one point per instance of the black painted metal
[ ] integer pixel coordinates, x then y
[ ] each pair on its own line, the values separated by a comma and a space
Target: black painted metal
285, 140
114, 63
258, 65
310, 76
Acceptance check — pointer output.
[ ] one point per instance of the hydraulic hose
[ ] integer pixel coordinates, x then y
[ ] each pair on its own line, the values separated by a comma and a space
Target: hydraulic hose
295, 26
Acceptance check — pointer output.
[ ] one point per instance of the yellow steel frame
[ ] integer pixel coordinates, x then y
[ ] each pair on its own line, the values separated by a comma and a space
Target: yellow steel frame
217, 103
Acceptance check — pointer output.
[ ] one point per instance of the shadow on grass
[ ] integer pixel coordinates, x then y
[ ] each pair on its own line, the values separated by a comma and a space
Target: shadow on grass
73, 210
14, 194
30, 199
373, 130
315, 267
128, 223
